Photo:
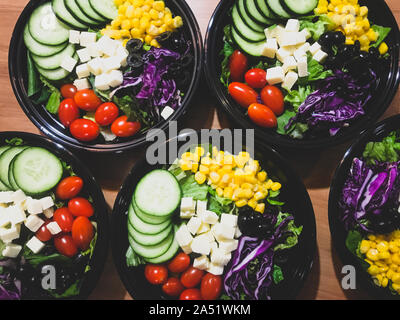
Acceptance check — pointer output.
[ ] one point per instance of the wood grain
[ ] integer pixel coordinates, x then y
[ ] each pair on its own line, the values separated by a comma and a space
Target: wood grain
316, 168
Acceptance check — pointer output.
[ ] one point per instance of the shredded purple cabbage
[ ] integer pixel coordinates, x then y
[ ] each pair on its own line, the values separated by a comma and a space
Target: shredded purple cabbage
10, 288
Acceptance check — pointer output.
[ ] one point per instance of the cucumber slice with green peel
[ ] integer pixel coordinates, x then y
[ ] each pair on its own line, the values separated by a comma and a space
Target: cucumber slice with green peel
3, 187
158, 193
56, 74
78, 14
148, 239
65, 16
45, 28
152, 251
146, 218
39, 49
36, 170
247, 19
85, 6
245, 31
255, 14
105, 8
252, 48
53, 62
276, 7
168, 255
5, 160
13, 184
143, 227
264, 8
299, 7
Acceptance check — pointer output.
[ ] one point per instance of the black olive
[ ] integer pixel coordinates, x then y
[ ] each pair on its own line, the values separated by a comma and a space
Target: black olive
164, 37
374, 53
338, 38
135, 60
134, 45
325, 39
357, 45
363, 55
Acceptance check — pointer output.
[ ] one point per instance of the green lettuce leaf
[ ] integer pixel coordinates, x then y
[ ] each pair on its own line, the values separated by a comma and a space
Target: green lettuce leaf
33, 79
218, 204
190, 188
387, 150
383, 33
292, 233
226, 52
296, 97
277, 274
132, 259
318, 28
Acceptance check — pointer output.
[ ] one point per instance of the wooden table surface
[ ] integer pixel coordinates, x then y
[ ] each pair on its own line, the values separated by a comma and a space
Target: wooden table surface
316, 168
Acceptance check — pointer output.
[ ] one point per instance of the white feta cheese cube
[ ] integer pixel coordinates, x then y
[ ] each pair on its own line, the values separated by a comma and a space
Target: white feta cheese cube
302, 67
47, 202
270, 48
238, 233
6, 196
222, 232
282, 53
68, 63
84, 55
200, 245
48, 213
229, 220
214, 246
95, 66
207, 236
278, 33
17, 215
82, 71
306, 33
275, 75
227, 258
111, 63
82, 84
228, 245
187, 214
74, 36
167, 112
270, 32
5, 217
292, 25
188, 204
209, 217
115, 78
215, 269
218, 256
201, 263
11, 250
298, 54
122, 55
183, 236
187, 249
290, 63
107, 45
290, 80
194, 225
205, 227
292, 39
315, 48
34, 206
101, 82
33, 223
87, 38
53, 227
320, 56
18, 197
8, 235
35, 245
305, 47
201, 206
94, 50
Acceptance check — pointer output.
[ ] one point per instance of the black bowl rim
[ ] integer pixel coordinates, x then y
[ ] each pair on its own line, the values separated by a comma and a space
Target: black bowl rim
312, 237
101, 250
30, 110
281, 141
335, 190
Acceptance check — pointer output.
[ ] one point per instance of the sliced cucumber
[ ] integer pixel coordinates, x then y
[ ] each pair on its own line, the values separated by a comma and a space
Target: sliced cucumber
253, 49
152, 251
78, 14
143, 227
245, 31
247, 19
65, 16
255, 14
158, 193
5, 160
45, 28
168, 255
3, 187
300, 7
266, 11
85, 6
146, 218
148, 239
36, 170
53, 62
39, 49
105, 8
56, 74
277, 8
11, 178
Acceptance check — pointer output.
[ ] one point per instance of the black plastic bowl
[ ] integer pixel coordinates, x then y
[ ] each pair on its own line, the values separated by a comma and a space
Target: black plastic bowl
293, 193
49, 124
337, 229
379, 13
91, 188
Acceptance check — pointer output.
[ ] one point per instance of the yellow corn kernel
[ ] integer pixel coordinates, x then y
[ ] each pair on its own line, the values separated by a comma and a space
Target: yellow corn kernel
126, 24
138, 13
220, 192
159, 5
382, 246
203, 169
260, 208
118, 2
372, 254
125, 42
276, 186
246, 185
186, 165
385, 282
146, 8
364, 246
125, 33
321, 10
268, 184
116, 23
371, 237
149, 2
396, 287
384, 255
135, 33
130, 11
252, 203
137, 3
205, 161
228, 192
396, 278
262, 176
363, 11
153, 30
364, 41
195, 165
135, 23
383, 48
378, 279
373, 270
349, 41
392, 247
241, 203
228, 159
200, 178
247, 193
334, 2
396, 258
214, 177
240, 161
259, 196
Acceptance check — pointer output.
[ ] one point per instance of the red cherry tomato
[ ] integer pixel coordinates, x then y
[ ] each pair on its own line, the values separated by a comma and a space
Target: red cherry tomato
87, 100
190, 294
156, 274
64, 219
242, 94
84, 129
65, 245
272, 97
106, 113
180, 263
121, 127
68, 91
237, 65
43, 234
211, 287
82, 232
68, 111
173, 287
69, 187
256, 78
262, 116
80, 207
191, 277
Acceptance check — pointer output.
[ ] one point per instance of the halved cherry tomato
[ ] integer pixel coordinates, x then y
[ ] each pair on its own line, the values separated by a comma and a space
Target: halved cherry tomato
180, 263
43, 234
272, 97
191, 277
237, 65
84, 129
80, 207
173, 287
68, 111
69, 187
211, 287
156, 274
64, 219
106, 113
87, 100
262, 116
65, 245
68, 91
82, 232
256, 78
190, 294
242, 94
121, 127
